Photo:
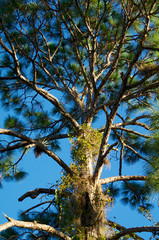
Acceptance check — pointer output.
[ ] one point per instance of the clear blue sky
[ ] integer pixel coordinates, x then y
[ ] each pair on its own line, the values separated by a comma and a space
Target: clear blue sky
43, 172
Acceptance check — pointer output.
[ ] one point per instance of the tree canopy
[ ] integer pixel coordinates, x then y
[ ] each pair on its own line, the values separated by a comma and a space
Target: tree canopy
64, 65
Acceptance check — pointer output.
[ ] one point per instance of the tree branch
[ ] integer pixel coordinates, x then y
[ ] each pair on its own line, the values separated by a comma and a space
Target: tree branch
151, 48
15, 134
33, 226
133, 150
141, 91
40, 145
52, 99
121, 228
107, 131
131, 131
152, 229
122, 178
34, 193
38, 205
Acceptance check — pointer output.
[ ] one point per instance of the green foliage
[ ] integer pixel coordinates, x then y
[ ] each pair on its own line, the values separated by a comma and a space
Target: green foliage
152, 151
62, 64
14, 124
113, 190
10, 233
71, 190
9, 170
19, 175
85, 145
136, 195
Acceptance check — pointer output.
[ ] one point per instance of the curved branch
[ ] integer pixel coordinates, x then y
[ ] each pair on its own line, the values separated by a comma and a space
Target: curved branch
38, 205
141, 91
121, 228
55, 157
122, 178
25, 143
45, 94
34, 193
131, 122
131, 131
14, 147
137, 154
34, 143
15, 134
133, 230
33, 226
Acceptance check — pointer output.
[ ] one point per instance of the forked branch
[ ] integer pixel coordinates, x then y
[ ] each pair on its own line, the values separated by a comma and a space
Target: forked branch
34, 226
42, 147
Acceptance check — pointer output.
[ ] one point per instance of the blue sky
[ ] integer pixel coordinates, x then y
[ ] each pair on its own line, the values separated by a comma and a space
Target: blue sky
44, 172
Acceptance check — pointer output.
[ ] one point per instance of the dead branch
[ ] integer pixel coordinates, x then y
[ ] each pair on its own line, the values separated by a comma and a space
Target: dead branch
34, 226
34, 193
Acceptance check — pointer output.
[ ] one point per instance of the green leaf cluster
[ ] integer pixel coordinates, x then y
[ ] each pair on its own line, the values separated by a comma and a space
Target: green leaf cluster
152, 151
85, 145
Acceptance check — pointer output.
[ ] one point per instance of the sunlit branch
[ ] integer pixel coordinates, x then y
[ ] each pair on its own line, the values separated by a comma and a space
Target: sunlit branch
122, 178
131, 131
134, 122
15, 134
111, 147
34, 226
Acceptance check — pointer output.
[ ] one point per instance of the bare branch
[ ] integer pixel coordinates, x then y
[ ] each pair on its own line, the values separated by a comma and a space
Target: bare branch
133, 230
107, 131
122, 178
38, 205
34, 193
40, 145
33, 226
18, 135
134, 122
131, 131
133, 150
55, 157
151, 48
121, 228
14, 147
141, 91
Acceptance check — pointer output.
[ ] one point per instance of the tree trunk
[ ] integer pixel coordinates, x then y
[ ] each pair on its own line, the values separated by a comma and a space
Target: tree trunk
88, 200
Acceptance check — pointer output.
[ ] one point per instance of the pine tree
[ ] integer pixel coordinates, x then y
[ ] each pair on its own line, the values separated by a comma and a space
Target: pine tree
63, 65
